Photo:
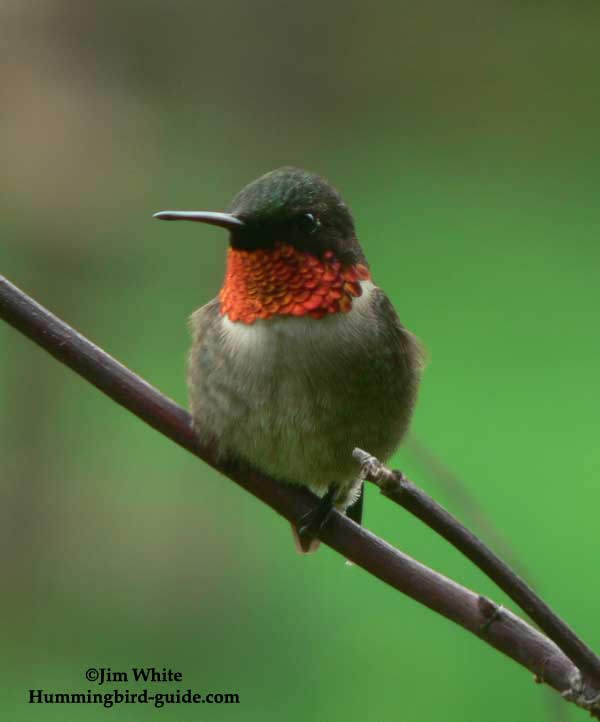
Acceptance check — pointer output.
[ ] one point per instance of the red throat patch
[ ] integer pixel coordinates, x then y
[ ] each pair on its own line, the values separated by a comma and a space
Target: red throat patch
283, 281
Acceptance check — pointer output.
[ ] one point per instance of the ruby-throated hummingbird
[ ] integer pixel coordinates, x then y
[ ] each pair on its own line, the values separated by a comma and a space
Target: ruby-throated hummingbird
301, 357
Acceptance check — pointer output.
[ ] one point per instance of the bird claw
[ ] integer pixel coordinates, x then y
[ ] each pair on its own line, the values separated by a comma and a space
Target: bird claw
310, 524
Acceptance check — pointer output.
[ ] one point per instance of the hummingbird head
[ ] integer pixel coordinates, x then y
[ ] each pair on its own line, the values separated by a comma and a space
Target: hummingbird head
293, 248
292, 206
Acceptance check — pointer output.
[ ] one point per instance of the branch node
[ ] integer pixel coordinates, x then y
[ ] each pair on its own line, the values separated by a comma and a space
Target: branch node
577, 693
371, 469
490, 610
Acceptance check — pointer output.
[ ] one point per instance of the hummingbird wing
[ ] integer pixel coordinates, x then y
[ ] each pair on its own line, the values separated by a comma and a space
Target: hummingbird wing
399, 343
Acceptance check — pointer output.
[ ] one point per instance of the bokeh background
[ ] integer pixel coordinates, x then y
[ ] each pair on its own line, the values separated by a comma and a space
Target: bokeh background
464, 136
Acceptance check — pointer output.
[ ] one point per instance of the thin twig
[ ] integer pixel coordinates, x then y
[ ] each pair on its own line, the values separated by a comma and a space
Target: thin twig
394, 485
476, 518
498, 627
461, 497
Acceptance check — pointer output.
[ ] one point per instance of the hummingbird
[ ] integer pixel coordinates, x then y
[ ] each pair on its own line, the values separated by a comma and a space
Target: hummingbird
301, 357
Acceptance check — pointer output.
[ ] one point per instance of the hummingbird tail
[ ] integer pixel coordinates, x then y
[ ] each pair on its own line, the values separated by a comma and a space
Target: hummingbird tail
304, 546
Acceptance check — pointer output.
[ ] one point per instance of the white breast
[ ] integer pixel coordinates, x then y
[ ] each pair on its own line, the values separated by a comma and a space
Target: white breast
264, 341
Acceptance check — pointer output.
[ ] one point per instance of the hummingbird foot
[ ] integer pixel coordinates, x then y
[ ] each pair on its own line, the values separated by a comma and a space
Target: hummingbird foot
310, 524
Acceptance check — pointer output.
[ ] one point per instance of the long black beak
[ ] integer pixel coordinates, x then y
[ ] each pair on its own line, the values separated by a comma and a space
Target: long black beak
225, 220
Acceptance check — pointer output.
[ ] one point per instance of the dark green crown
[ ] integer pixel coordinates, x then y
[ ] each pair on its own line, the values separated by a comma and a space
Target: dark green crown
294, 206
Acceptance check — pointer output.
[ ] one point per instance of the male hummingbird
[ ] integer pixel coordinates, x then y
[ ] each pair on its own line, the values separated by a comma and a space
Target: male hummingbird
301, 357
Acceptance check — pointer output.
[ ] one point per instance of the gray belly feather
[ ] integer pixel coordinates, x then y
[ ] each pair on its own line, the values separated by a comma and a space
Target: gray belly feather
294, 396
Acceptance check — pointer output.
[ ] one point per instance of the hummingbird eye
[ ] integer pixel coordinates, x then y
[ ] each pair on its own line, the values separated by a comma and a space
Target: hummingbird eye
308, 223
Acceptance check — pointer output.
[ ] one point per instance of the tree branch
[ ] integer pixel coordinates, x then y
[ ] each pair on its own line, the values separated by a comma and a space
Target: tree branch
497, 626
397, 487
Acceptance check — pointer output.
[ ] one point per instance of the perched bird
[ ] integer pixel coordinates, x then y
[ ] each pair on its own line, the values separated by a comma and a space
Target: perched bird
301, 357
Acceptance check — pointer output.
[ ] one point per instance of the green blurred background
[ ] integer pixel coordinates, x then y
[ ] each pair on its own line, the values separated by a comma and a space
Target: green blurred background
465, 138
